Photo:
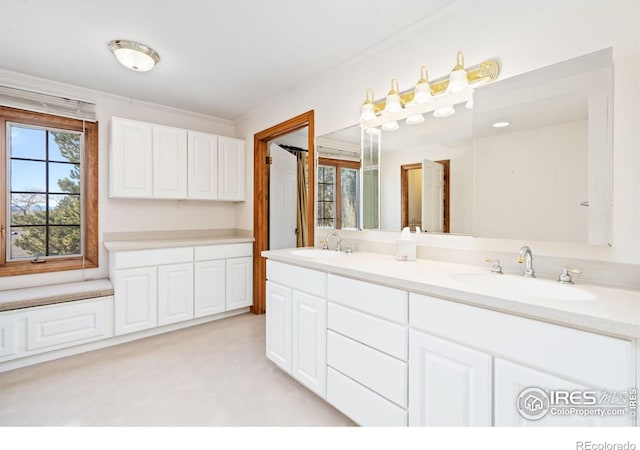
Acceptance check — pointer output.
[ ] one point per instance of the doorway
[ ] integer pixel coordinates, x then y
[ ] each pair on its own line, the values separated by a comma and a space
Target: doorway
408, 200
261, 169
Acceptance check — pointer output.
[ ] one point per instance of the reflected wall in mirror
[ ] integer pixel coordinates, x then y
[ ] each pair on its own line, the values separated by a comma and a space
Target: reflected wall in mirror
542, 146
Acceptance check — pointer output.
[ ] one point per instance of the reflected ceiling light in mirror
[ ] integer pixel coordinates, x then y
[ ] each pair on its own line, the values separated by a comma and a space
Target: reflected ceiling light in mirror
439, 96
393, 99
458, 81
368, 111
372, 131
444, 111
390, 126
501, 124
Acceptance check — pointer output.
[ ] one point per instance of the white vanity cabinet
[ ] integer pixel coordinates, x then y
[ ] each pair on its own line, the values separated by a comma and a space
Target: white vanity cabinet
153, 161
296, 323
478, 351
367, 351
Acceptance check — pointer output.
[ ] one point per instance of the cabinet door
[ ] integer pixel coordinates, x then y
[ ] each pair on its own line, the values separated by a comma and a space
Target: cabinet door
239, 291
231, 174
135, 299
511, 379
449, 384
169, 162
175, 293
7, 336
202, 175
209, 280
278, 325
130, 160
309, 342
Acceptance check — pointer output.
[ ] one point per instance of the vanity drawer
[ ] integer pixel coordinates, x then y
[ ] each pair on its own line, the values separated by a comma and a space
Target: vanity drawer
381, 301
588, 358
380, 334
298, 278
363, 406
223, 251
381, 373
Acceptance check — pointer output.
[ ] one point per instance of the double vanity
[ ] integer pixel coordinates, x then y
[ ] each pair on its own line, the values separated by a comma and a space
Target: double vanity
428, 343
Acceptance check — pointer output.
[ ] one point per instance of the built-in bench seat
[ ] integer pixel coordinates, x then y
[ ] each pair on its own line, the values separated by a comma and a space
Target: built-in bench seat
58, 293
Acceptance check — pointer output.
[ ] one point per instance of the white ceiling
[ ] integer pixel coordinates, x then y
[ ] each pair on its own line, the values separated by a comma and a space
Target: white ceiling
221, 58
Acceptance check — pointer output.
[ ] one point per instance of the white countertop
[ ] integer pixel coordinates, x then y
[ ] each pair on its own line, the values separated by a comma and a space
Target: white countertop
613, 311
173, 239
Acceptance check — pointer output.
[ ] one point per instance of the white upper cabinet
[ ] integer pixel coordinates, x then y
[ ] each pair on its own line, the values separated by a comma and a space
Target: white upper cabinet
169, 162
130, 159
231, 169
203, 166
154, 161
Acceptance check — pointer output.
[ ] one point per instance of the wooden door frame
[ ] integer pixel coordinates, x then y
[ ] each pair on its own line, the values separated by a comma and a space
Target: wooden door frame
404, 193
261, 198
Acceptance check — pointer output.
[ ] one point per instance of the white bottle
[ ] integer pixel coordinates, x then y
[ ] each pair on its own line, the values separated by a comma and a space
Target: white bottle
406, 246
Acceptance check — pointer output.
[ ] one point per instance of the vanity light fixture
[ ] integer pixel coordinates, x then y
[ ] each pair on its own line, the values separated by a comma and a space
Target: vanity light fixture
134, 55
501, 124
439, 96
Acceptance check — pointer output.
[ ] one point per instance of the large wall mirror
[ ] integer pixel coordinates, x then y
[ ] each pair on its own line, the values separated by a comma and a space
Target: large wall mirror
545, 176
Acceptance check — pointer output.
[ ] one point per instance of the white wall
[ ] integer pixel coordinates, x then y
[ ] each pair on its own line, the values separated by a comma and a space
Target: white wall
530, 183
523, 35
130, 215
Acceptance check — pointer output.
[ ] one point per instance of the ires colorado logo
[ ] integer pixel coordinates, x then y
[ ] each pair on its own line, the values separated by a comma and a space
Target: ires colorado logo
534, 403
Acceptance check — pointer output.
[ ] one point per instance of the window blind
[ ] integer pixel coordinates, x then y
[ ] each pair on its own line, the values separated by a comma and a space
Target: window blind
47, 103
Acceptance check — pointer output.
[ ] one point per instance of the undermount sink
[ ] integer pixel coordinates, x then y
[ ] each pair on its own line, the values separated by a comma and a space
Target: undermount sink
518, 286
315, 253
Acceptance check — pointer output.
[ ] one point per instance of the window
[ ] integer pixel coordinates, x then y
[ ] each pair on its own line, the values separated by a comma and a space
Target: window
49, 199
338, 187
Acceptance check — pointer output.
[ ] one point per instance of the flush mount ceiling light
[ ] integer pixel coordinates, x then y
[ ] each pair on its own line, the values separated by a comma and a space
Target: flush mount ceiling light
439, 96
134, 55
501, 124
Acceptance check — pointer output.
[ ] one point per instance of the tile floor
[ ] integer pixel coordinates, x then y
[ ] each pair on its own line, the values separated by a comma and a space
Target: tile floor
215, 374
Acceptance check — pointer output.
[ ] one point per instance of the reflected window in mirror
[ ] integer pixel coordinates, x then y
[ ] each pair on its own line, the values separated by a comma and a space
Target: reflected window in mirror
338, 193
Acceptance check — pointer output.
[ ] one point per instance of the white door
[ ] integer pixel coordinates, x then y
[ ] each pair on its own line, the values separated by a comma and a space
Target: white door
231, 174
130, 161
135, 299
432, 196
239, 284
309, 342
202, 173
209, 281
449, 384
511, 379
169, 162
283, 188
278, 323
175, 293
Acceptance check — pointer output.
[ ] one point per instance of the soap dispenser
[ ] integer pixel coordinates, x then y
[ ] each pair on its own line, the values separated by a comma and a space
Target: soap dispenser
406, 246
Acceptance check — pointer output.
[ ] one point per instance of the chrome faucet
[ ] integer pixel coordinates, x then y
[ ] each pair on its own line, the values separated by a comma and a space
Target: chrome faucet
526, 258
326, 241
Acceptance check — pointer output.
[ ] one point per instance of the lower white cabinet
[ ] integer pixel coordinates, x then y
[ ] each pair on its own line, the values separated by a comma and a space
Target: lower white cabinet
158, 287
135, 294
175, 293
512, 379
309, 350
239, 289
296, 335
209, 282
450, 384
278, 325
7, 337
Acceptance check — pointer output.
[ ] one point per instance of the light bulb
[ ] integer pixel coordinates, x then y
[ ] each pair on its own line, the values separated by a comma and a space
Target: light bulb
458, 79
422, 93
368, 111
393, 99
